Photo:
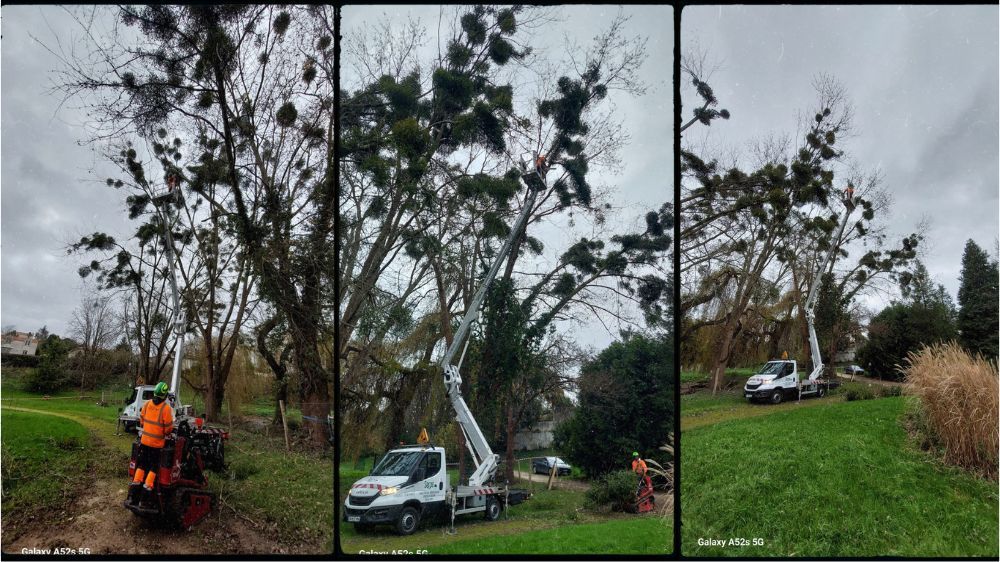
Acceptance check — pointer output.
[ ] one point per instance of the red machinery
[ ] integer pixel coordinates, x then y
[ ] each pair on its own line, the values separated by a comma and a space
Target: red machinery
645, 501
180, 493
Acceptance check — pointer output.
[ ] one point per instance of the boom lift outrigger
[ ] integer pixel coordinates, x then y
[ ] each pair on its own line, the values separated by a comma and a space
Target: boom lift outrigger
410, 482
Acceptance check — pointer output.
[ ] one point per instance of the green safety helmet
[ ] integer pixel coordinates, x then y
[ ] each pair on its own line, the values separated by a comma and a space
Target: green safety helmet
161, 390
635, 453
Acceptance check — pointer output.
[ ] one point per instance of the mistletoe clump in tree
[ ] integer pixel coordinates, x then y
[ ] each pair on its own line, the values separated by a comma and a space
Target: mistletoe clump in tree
428, 193
252, 88
744, 234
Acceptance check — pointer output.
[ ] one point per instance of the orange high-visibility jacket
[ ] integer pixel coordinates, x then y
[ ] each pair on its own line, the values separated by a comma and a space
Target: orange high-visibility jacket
639, 466
156, 422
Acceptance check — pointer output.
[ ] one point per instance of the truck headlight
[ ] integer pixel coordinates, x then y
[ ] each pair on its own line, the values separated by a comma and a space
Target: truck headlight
389, 491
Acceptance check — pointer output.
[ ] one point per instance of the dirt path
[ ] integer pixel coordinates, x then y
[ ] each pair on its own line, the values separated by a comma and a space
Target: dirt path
559, 484
96, 520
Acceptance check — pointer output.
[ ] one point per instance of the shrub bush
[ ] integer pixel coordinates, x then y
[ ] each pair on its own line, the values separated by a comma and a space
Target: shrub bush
615, 490
958, 397
626, 398
48, 378
889, 391
859, 393
10, 360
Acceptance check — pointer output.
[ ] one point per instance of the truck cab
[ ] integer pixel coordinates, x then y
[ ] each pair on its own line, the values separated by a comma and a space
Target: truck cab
407, 485
129, 416
774, 382
779, 380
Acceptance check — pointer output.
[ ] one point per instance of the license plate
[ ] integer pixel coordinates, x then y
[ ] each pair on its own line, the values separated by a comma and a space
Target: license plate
748, 395
354, 518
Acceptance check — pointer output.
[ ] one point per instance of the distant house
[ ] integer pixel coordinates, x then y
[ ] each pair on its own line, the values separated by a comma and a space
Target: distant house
846, 356
541, 435
19, 343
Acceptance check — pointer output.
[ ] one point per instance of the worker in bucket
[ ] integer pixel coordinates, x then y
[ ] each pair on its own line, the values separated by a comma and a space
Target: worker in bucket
157, 421
849, 194
541, 166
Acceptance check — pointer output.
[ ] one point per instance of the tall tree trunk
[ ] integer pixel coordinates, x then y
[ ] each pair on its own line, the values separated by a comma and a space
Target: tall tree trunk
724, 350
509, 456
277, 365
315, 391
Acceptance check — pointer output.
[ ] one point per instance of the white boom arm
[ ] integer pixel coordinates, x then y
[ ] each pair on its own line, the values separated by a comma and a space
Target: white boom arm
180, 316
817, 359
485, 459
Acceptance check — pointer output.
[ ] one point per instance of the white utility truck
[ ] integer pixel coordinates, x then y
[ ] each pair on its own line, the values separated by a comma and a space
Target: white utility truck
779, 379
128, 417
411, 483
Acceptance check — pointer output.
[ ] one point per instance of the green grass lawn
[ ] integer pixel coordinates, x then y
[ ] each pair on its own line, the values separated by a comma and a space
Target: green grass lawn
834, 479
263, 482
43, 458
701, 408
732, 373
646, 535
543, 524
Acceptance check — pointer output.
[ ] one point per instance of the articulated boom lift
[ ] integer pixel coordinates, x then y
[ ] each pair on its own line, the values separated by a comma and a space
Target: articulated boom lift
779, 378
486, 460
411, 483
810, 306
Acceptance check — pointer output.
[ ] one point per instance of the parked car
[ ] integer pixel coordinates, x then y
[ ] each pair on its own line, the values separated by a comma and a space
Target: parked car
543, 465
853, 370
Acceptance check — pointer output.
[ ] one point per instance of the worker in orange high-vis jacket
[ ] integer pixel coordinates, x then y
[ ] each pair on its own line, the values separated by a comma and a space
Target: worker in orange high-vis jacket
638, 465
157, 421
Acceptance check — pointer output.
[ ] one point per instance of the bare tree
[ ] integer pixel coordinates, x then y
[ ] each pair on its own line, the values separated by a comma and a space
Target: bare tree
95, 324
251, 89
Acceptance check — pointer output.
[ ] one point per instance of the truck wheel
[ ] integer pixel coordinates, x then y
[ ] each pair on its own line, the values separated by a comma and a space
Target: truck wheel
777, 396
493, 508
821, 392
408, 520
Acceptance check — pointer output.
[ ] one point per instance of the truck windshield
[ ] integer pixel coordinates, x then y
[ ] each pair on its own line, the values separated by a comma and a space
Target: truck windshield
772, 368
397, 464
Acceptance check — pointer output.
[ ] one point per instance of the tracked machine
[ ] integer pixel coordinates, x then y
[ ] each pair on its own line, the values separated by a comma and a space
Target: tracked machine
180, 495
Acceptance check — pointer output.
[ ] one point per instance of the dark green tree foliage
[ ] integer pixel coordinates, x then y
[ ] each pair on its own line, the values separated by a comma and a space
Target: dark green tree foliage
464, 107
831, 319
978, 297
589, 260
707, 112
626, 403
924, 317
51, 374
504, 356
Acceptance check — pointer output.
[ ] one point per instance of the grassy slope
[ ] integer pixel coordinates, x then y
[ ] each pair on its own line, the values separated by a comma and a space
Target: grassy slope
263, 482
835, 479
42, 460
530, 527
646, 535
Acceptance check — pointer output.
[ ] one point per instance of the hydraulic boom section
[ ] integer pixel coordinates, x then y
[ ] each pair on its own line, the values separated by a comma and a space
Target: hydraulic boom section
485, 459
817, 359
180, 315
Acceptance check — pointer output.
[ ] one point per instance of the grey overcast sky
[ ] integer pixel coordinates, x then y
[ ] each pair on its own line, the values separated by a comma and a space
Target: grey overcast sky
924, 84
48, 194
645, 182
